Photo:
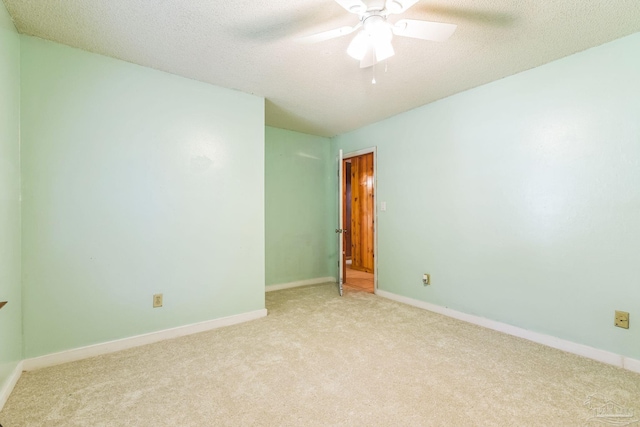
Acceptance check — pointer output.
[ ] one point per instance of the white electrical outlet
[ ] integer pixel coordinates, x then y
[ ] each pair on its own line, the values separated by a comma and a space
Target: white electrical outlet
426, 279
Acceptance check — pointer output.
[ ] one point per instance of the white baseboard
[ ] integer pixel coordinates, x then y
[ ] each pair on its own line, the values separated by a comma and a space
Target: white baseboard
548, 340
138, 340
631, 364
9, 384
270, 288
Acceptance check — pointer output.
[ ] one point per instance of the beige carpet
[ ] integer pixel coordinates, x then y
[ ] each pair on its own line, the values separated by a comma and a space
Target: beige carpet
317, 360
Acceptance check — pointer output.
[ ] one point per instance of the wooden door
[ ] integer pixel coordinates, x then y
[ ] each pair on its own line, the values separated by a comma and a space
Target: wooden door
362, 213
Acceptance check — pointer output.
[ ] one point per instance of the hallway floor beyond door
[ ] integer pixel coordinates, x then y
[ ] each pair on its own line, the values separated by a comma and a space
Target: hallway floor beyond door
359, 280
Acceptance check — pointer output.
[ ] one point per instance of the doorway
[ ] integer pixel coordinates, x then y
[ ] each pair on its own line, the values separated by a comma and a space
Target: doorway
358, 214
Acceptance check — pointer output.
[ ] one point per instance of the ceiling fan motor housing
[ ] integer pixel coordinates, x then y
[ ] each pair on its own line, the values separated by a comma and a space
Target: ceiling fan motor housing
373, 5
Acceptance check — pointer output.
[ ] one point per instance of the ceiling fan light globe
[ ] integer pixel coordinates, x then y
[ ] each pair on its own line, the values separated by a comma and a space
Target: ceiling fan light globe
384, 51
358, 46
380, 33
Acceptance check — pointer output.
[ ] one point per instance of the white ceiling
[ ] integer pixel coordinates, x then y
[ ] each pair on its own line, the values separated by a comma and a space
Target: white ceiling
250, 45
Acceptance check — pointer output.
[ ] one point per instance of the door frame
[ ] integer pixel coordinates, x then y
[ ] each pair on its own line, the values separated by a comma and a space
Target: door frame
357, 153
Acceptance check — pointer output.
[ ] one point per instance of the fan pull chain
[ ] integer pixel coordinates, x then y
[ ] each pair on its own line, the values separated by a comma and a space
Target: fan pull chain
373, 80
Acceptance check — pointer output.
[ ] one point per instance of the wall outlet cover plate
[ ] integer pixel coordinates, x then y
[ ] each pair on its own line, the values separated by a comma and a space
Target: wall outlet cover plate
622, 319
157, 300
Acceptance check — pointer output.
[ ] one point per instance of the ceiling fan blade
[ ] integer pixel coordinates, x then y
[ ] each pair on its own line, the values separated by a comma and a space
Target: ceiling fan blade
353, 6
455, 14
327, 35
399, 6
425, 30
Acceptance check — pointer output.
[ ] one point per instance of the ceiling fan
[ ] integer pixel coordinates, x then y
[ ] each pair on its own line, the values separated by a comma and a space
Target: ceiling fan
372, 44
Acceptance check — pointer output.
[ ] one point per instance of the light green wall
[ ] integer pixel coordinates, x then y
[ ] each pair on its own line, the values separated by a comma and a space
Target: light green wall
521, 198
135, 182
298, 224
10, 315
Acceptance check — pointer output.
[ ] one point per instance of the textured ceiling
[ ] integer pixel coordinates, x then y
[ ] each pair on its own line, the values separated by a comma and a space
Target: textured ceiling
250, 45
